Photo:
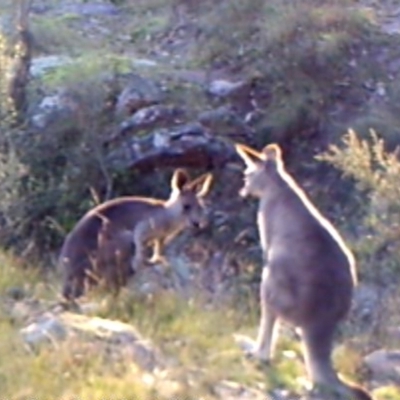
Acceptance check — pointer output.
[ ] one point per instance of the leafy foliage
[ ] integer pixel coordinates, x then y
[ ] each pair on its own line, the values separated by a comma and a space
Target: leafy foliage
51, 175
376, 173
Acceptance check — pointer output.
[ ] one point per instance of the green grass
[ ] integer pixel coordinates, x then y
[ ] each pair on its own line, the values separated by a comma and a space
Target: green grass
65, 371
387, 393
195, 338
14, 274
286, 33
86, 68
296, 51
57, 35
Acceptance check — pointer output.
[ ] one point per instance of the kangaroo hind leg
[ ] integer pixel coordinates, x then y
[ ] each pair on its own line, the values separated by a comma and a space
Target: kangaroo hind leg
317, 348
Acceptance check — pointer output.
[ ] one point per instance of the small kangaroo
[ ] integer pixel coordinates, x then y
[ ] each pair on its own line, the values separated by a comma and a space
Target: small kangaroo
309, 273
103, 242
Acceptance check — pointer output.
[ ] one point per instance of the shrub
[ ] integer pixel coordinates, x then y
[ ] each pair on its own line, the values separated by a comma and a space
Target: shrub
376, 173
51, 176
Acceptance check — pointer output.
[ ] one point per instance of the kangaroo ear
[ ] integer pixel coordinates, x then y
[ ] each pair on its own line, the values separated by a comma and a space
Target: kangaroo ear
251, 157
272, 152
201, 185
179, 179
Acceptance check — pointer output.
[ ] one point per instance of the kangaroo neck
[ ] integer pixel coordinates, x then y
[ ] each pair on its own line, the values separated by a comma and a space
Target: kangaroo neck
272, 195
171, 216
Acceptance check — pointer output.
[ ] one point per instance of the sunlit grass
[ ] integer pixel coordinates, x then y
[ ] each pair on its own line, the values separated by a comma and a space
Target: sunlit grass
14, 274
387, 393
200, 338
194, 337
65, 371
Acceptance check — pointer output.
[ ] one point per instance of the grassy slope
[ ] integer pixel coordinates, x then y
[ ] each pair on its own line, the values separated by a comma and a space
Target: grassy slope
197, 336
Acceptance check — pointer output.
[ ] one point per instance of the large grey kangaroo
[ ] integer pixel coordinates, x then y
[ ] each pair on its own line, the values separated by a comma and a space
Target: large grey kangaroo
309, 272
103, 242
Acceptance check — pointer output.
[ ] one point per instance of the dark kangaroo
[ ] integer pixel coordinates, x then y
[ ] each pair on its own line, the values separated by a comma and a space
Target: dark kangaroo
309, 274
103, 242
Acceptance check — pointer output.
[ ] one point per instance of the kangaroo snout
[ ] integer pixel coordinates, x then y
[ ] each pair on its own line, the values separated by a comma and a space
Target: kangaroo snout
244, 191
250, 182
200, 217
196, 224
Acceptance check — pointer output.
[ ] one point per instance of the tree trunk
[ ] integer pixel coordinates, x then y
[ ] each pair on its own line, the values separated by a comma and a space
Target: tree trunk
22, 60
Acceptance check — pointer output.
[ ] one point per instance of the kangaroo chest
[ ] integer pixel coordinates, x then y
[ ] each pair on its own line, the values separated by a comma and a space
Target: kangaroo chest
262, 231
158, 228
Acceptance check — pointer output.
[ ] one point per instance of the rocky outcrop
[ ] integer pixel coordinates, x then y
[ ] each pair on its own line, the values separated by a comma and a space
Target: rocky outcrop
150, 130
111, 338
187, 146
384, 365
137, 94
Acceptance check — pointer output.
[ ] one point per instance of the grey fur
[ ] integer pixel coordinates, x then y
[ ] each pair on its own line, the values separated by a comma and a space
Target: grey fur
102, 244
310, 273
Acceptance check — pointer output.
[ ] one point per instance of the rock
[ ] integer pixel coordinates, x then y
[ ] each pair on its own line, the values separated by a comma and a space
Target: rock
24, 310
41, 65
366, 302
54, 108
115, 338
85, 9
46, 329
139, 93
224, 121
151, 280
284, 394
169, 389
16, 293
381, 89
89, 308
391, 27
384, 364
125, 338
92, 9
142, 62
160, 382
151, 117
186, 133
245, 343
225, 89
186, 146
229, 390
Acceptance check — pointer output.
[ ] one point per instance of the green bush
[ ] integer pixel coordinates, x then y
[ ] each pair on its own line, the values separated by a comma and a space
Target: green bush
51, 176
376, 173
